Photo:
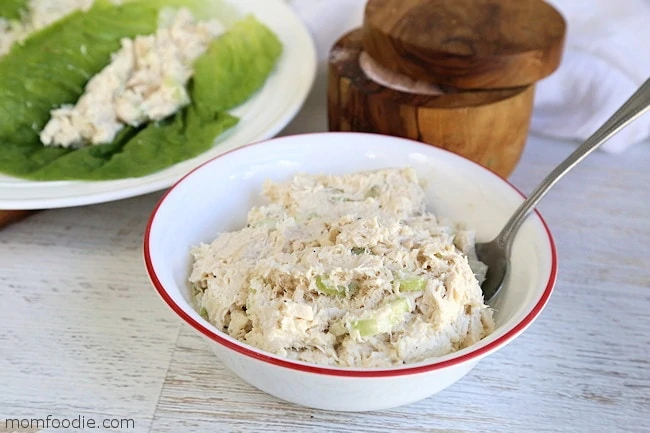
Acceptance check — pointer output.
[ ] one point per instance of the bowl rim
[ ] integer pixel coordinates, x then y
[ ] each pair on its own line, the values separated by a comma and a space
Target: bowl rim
257, 354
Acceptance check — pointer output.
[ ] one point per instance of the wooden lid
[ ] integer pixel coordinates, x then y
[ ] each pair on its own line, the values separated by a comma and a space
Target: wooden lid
344, 63
472, 44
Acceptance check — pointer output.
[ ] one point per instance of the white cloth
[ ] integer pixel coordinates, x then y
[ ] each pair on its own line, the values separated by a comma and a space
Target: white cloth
607, 57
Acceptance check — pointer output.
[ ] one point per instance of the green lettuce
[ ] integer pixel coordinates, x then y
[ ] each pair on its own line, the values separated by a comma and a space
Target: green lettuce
250, 49
69, 52
12, 9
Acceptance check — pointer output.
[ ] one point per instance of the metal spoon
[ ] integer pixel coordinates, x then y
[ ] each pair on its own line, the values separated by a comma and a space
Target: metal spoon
496, 253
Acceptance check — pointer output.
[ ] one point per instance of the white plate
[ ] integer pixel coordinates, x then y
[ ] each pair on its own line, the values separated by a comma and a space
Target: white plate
263, 116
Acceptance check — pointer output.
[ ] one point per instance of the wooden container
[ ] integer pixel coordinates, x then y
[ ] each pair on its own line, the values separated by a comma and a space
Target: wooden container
8, 217
457, 74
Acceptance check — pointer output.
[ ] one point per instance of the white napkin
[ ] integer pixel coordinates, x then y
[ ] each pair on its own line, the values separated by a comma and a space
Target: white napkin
607, 57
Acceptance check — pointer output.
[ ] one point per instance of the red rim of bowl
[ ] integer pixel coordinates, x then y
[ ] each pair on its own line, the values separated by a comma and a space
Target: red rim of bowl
307, 368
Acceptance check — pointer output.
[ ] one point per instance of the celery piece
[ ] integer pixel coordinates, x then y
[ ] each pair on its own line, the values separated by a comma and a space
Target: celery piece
337, 195
329, 289
358, 250
388, 316
204, 313
400, 306
267, 222
324, 287
338, 328
339, 198
412, 284
373, 192
367, 327
196, 289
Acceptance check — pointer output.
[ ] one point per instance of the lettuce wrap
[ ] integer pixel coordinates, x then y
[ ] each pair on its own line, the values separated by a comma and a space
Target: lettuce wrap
51, 67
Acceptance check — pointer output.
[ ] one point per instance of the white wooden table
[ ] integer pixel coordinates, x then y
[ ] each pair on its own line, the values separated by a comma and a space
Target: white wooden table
82, 333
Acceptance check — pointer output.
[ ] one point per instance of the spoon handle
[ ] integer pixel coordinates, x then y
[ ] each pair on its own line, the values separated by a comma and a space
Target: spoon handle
635, 106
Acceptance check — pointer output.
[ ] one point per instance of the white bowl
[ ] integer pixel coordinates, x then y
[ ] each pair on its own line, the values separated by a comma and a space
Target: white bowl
216, 197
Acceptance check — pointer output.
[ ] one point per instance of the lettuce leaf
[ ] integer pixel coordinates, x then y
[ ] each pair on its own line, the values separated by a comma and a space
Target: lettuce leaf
249, 48
140, 152
12, 9
235, 67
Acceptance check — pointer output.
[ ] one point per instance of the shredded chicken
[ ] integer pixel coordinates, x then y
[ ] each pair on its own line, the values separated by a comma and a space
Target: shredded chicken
145, 81
347, 271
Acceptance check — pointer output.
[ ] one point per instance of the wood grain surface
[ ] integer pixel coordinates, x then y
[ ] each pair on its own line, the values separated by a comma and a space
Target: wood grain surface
488, 127
83, 332
477, 44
